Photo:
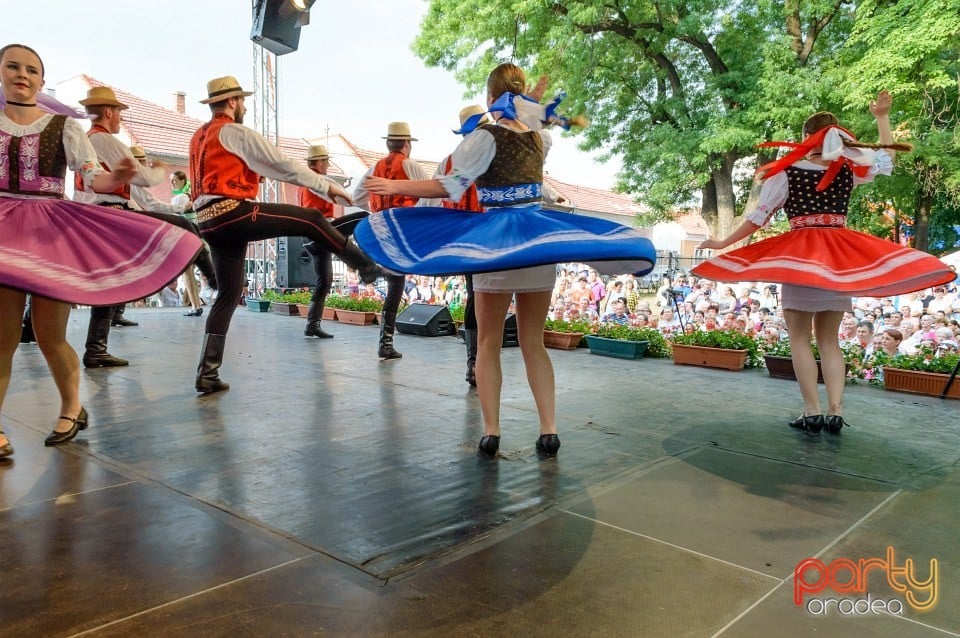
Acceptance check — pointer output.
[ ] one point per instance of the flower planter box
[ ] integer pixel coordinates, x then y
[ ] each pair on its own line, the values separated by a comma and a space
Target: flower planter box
257, 305
709, 357
329, 314
356, 317
616, 347
563, 340
782, 368
919, 382
282, 308
303, 309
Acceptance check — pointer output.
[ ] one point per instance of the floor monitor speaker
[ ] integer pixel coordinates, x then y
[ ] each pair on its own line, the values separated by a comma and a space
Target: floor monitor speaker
426, 320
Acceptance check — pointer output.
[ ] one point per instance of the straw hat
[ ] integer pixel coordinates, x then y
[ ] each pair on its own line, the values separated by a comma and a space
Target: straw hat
220, 89
399, 131
138, 152
317, 152
102, 96
474, 109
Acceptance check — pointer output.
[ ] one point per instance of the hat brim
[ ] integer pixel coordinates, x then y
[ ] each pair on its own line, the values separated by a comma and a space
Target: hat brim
226, 96
318, 157
96, 102
400, 137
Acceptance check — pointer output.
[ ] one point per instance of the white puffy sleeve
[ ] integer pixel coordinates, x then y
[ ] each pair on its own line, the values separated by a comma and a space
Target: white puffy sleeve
81, 158
471, 159
773, 194
882, 165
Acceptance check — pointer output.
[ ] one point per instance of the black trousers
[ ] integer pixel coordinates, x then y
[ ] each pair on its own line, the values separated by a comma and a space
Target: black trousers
228, 235
323, 259
470, 311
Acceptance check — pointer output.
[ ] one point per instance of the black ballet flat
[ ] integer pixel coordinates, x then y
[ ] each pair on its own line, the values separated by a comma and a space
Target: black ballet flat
835, 423
196, 312
488, 446
78, 423
809, 424
548, 444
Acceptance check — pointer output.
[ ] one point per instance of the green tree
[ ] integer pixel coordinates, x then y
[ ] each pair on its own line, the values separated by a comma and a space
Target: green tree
683, 90
912, 48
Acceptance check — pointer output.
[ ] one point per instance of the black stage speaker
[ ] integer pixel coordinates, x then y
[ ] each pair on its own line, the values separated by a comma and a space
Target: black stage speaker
294, 264
510, 331
276, 25
510, 338
426, 320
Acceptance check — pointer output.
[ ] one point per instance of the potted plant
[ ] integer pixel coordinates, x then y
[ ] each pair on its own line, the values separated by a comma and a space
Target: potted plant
726, 349
624, 342
258, 304
332, 303
564, 335
360, 311
922, 373
284, 303
777, 359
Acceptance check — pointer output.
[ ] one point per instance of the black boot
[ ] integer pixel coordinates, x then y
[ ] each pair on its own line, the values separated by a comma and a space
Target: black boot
208, 379
26, 332
358, 260
119, 320
204, 262
314, 317
470, 337
96, 355
388, 324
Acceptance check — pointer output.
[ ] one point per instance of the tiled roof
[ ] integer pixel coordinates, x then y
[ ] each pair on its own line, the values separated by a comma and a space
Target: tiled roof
165, 132
596, 199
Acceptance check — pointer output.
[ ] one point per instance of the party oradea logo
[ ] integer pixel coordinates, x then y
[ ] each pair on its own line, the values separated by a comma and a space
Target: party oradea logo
858, 587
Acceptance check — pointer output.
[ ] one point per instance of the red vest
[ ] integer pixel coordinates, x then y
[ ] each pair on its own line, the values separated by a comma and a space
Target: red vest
470, 200
390, 167
121, 191
308, 199
216, 171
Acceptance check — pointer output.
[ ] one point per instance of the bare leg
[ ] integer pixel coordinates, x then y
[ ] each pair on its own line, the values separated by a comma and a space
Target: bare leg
800, 329
193, 290
12, 303
491, 312
50, 325
532, 310
826, 326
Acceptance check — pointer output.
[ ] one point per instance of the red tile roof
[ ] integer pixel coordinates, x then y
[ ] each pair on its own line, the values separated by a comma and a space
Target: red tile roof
596, 199
165, 132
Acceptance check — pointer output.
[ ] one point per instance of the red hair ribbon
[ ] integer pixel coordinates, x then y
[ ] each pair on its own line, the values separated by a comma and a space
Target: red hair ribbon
800, 151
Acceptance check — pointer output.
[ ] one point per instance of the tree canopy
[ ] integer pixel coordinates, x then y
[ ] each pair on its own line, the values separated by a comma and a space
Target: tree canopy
684, 90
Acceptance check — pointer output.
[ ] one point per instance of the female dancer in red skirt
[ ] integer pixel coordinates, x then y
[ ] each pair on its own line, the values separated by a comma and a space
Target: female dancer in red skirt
61, 251
820, 263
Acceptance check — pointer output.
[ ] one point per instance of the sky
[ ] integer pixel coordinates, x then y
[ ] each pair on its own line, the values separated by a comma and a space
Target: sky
353, 72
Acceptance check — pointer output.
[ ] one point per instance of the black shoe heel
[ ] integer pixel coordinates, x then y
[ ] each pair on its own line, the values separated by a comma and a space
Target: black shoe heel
489, 444
548, 444
78, 423
835, 423
809, 424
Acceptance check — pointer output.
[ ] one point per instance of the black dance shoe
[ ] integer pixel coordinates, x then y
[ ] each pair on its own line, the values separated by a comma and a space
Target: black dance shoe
78, 423
489, 444
835, 423
196, 312
809, 424
123, 322
548, 444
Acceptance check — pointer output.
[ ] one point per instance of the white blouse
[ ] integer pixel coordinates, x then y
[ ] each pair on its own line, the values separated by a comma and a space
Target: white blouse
81, 158
775, 190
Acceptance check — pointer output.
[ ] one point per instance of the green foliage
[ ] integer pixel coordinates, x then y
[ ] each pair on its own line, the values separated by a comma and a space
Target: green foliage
270, 295
301, 297
725, 339
657, 347
562, 325
782, 348
356, 302
925, 361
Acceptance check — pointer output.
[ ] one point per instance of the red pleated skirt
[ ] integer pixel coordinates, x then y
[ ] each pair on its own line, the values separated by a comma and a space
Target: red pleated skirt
85, 254
830, 258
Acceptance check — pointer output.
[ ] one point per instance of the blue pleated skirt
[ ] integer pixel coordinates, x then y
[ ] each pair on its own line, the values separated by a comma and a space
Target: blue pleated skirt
444, 241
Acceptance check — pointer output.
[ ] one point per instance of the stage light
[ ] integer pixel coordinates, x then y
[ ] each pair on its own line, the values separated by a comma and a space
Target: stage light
276, 23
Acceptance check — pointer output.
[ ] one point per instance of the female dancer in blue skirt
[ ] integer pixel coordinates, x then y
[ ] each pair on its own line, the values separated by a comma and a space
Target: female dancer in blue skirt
513, 247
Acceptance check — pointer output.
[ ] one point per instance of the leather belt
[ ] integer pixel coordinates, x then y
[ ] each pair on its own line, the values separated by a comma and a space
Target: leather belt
217, 208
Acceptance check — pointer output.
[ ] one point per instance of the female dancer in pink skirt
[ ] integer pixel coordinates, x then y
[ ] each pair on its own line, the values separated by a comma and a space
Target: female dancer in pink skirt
64, 252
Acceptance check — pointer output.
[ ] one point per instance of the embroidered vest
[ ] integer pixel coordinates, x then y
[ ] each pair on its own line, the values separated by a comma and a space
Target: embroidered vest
390, 167
121, 191
34, 164
515, 176
470, 200
804, 198
307, 199
216, 171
